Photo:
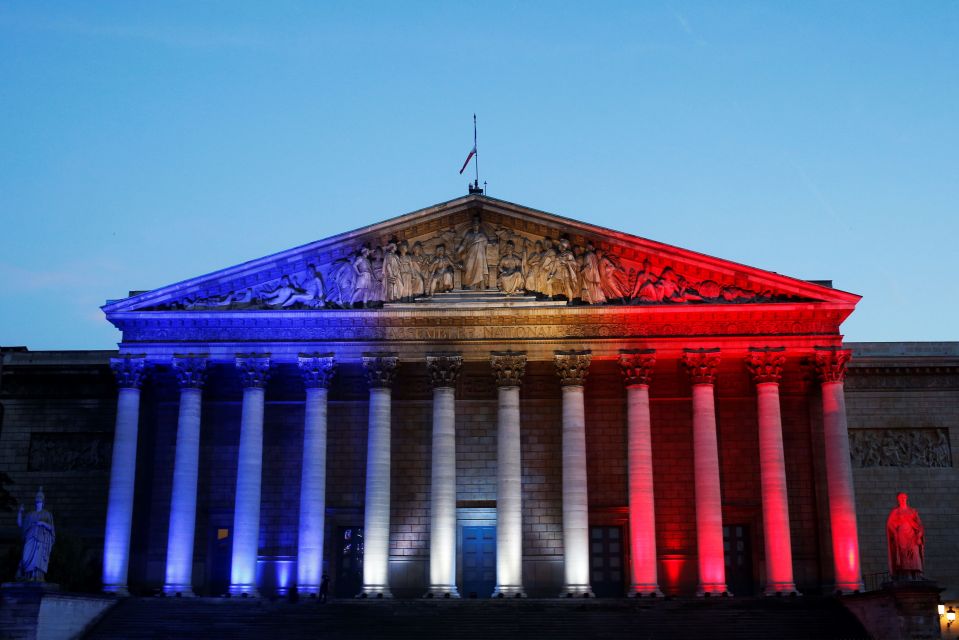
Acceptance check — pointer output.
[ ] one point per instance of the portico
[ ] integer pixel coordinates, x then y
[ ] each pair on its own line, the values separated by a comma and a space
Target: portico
621, 436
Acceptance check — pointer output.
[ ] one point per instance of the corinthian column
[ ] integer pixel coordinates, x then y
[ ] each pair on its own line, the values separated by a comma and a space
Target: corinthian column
254, 371
317, 373
508, 368
831, 367
766, 368
443, 370
116, 541
637, 366
572, 368
701, 365
190, 373
380, 373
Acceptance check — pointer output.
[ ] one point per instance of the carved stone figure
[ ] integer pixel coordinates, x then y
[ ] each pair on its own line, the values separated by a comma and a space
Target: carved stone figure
363, 285
534, 280
392, 277
406, 270
510, 271
421, 269
564, 276
592, 287
907, 541
310, 293
38, 534
441, 272
376, 263
472, 249
611, 276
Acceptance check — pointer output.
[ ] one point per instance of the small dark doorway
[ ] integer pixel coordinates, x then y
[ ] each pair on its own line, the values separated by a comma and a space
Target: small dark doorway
220, 558
606, 561
349, 562
479, 562
739, 562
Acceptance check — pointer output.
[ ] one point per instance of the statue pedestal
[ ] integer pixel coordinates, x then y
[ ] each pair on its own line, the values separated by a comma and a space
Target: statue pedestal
20, 607
902, 609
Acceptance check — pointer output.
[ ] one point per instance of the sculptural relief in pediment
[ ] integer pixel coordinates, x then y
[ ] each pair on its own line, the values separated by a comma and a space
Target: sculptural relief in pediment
475, 254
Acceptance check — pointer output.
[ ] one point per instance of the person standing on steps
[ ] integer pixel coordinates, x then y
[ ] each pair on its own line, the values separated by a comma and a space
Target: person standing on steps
324, 588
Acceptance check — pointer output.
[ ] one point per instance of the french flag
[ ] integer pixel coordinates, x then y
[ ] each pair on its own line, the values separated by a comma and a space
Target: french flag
468, 158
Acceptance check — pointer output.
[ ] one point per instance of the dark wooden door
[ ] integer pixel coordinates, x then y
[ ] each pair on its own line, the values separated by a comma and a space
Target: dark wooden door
479, 562
349, 562
607, 576
739, 559
219, 560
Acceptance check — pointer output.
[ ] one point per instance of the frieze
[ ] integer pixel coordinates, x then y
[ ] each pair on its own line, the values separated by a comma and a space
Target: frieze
70, 452
900, 448
494, 252
352, 330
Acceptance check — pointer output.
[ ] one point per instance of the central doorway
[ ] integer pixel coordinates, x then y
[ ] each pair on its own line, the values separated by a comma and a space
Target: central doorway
479, 562
349, 562
606, 561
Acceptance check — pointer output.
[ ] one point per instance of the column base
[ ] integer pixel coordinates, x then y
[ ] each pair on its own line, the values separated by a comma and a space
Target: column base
781, 589
509, 591
178, 590
846, 588
244, 591
375, 592
308, 590
119, 590
577, 591
645, 591
712, 591
442, 591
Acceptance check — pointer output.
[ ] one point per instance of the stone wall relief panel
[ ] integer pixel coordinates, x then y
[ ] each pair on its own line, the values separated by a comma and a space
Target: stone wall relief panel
900, 448
489, 252
70, 451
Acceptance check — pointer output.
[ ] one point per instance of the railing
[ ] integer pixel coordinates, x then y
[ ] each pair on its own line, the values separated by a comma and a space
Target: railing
874, 581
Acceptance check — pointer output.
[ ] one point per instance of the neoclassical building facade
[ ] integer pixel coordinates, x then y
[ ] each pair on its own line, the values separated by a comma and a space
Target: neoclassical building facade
477, 399
564, 330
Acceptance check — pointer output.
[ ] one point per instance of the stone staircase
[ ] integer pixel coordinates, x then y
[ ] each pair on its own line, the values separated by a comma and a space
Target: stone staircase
475, 298
226, 619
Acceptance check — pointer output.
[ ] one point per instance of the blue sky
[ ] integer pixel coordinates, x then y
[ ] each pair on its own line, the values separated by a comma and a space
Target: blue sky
145, 143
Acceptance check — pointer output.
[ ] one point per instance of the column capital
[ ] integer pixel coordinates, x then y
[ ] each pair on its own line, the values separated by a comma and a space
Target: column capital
572, 367
190, 370
765, 364
831, 363
317, 369
443, 369
637, 366
129, 370
380, 369
254, 369
701, 365
508, 367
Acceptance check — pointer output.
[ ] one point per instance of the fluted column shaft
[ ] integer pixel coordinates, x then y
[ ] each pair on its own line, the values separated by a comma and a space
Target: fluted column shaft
572, 368
637, 367
249, 476
317, 371
831, 366
701, 365
116, 542
508, 368
765, 365
443, 371
190, 373
380, 371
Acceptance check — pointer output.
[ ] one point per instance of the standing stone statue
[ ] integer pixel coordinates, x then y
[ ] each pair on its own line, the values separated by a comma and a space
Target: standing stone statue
472, 248
38, 535
907, 541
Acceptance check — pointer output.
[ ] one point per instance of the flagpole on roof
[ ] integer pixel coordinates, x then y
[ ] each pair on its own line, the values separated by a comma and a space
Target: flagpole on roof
476, 160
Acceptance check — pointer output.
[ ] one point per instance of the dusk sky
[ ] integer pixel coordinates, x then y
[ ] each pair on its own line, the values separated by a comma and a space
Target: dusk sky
143, 143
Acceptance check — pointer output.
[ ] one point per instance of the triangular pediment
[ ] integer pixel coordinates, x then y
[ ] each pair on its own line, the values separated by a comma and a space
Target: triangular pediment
524, 253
